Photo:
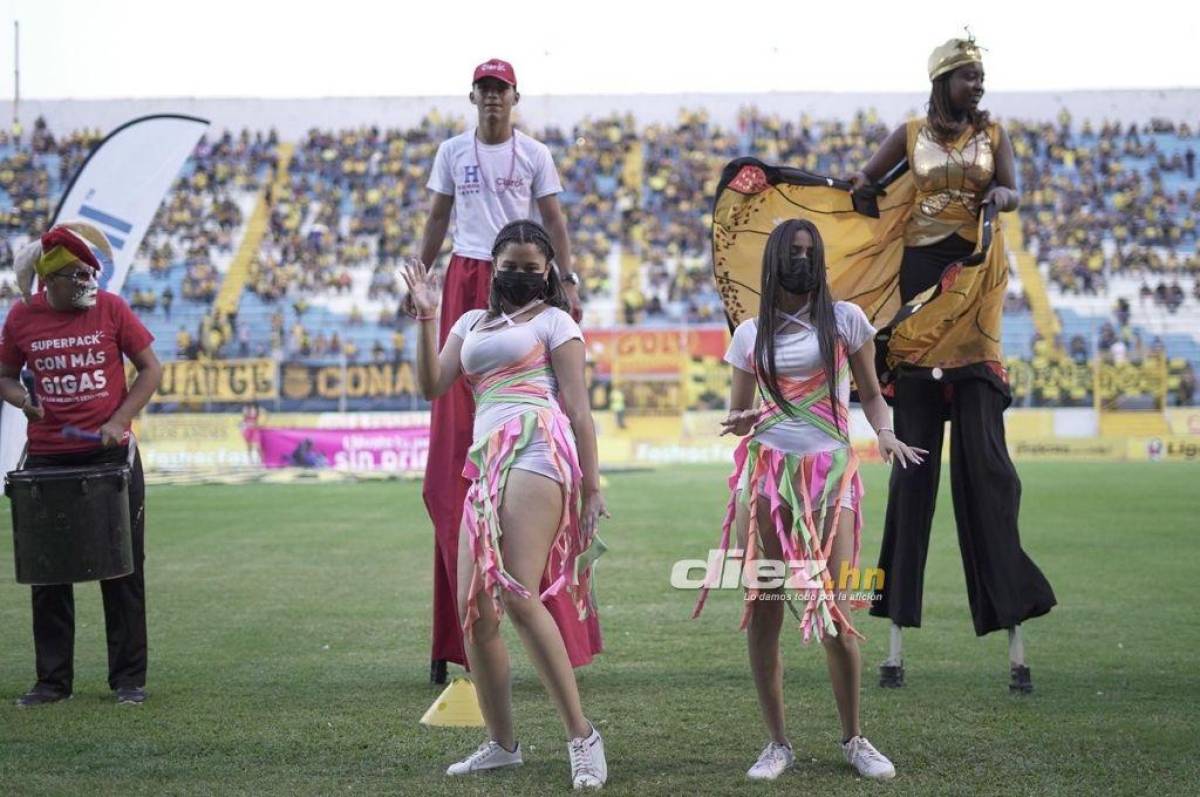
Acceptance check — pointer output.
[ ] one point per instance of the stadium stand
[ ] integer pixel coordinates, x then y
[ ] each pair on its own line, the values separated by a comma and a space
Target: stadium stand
290, 250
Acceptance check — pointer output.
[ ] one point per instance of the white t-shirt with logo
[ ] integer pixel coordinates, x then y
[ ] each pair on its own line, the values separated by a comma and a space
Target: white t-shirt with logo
485, 196
798, 356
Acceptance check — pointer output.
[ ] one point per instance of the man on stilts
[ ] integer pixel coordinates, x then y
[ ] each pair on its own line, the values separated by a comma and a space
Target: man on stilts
487, 177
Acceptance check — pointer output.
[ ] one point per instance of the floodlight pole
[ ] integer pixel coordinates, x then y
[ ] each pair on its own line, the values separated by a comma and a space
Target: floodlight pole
16, 75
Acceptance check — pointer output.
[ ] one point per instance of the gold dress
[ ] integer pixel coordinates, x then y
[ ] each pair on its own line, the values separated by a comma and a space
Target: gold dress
950, 181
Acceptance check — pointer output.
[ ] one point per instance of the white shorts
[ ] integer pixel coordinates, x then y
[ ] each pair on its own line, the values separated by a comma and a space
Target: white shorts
535, 458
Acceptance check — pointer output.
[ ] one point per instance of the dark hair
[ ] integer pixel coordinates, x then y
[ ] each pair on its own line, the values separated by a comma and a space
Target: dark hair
776, 257
940, 111
527, 231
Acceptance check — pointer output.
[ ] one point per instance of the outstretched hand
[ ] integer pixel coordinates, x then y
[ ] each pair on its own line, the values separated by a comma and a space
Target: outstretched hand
893, 450
424, 288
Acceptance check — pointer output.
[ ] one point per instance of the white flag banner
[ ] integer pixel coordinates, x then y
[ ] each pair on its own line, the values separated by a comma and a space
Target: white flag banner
118, 189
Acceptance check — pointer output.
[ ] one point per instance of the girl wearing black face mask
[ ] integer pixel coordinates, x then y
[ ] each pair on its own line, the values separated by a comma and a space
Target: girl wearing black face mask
534, 501
519, 288
523, 277
798, 495
798, 276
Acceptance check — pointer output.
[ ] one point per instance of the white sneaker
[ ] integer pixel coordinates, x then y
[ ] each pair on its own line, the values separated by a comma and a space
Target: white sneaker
490, 755
774, 760
869, 762
589, 769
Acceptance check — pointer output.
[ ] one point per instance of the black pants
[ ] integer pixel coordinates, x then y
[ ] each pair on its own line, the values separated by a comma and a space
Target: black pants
1004, 586
124, 598
922, 266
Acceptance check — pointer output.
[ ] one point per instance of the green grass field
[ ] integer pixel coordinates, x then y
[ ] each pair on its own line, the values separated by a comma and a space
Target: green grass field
289, 630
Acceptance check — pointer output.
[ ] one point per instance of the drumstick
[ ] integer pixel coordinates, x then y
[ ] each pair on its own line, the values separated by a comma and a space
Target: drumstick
78, 434
27, 381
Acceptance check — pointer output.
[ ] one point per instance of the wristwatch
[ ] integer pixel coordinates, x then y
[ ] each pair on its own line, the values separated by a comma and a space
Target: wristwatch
570, 278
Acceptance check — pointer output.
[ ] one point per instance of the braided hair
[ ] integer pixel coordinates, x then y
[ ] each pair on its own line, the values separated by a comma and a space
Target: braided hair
942, 119
527, 231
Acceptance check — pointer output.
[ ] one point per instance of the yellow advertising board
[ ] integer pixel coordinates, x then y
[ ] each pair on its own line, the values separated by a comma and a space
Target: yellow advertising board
204, 381
1067, 448
180, 441
1183, 421
1168, 448
360, 380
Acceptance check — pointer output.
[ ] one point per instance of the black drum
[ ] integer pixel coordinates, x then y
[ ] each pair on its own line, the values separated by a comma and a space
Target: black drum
70, 524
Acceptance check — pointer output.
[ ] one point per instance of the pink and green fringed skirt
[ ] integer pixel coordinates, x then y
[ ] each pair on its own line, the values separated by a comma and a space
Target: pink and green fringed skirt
810, 487
573, 553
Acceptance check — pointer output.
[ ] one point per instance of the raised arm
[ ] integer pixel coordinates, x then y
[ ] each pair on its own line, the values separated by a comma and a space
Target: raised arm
436, 371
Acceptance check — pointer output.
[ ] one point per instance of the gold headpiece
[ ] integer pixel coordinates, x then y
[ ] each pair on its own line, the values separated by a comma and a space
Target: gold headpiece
953, 54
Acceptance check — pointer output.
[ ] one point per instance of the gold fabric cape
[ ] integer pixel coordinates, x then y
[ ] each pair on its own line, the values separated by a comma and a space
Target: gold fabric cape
952, 324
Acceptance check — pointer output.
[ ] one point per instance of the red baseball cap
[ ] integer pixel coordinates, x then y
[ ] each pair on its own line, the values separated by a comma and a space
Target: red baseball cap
501, 70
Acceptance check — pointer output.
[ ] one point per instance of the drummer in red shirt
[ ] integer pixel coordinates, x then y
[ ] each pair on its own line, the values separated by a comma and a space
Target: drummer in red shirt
74, 338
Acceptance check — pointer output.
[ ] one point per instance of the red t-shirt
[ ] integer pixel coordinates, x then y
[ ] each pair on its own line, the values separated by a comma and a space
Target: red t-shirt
76, 361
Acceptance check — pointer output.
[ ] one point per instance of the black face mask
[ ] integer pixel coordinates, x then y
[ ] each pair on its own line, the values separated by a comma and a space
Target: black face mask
519, 288
799, 276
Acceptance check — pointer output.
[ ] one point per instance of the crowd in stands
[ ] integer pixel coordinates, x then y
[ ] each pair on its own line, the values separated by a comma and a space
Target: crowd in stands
599, 196
34, 170
1097, 201
197, 224
1101, 201
353, 200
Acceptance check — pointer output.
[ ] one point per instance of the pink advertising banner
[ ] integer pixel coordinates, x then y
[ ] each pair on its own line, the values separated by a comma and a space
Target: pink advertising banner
398, 450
